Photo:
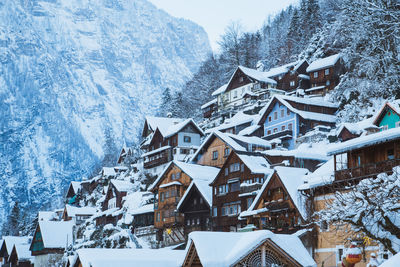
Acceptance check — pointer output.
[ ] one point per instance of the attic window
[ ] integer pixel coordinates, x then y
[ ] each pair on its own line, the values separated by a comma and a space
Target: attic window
389, 113
241, 79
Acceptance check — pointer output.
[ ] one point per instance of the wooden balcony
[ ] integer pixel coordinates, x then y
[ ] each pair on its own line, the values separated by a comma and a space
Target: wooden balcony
277, 206
367, 170
159, 159
250, 188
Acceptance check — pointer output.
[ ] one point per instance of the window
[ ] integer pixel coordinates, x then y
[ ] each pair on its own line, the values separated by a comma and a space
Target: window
195, 201
390, 153
275, 115
341, 161
323, 226
249, 202
358, 160
290, 126
235, 186
328, 82
157, 216
215, 213
327, 72
242, 168
173, 176
234, 167
188, 222
282, 113
397, 123
235, 94
222, 189
162, 197
198, 220
178, 175
287, 112
187, 139
226, 151
232, 208
241, 79
112, 203
275, 130
316, 74
291, 83
283, 127
268, 132
226, 171
201, 200
215, 155
269, 118
223, 211
384, 127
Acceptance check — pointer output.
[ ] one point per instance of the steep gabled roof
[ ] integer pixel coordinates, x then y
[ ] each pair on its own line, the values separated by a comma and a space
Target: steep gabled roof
10, 241
122, 186
162, 123
228, 248
323, 63
395, 106
55, 234
175, 128
194, 171
280, 70
73, 211
220, 90
203, 187
257, 75
22, 252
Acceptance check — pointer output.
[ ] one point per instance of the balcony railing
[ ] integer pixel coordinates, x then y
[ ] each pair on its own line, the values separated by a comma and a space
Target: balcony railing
250, 188
370, 169
164, 157
278, 134
277, 206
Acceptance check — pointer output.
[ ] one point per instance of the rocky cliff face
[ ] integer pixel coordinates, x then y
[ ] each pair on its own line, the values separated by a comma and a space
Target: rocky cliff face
76, 79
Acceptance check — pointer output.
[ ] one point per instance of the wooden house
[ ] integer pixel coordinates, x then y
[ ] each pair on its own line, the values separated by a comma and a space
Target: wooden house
7, 245
73, 193
235, 187
78, 214
217, 147
171, 142
50, 241
259, 248
291, 76
20, 256
116, 191
195, 205
325, 74
242, 80
388, 116
278, 206
366, 156
287, 117
125, 153
209, 108
169, 187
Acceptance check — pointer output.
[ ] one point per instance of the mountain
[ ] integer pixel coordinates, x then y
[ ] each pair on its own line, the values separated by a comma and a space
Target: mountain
76, 79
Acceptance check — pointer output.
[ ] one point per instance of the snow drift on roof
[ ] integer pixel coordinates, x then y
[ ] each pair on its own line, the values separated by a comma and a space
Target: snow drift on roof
73, 211
365, 141
256, 164
175, 128
108, 171
100, 257
47, 215
322, 176
392, 262
284, 69
323, 63
228, 248
23, 252
76, 186
238, 119
258, 75
161, 123
220, 90
56, 234
123, 186
10, 241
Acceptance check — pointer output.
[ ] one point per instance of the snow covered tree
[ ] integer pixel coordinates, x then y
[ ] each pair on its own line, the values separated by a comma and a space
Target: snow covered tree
165, 107
230, 44
371, 207
13, 224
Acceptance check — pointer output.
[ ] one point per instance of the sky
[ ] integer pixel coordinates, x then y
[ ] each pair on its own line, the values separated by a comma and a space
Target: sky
215, 15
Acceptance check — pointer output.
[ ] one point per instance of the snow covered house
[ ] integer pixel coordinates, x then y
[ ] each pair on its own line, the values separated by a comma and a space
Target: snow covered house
169, 187
243, 80
216, 148
259, 248
287, 117
124, 153
73, 193
279, 206
21, 256
366, 156
138, 210
195, 205
291, 76
101, 257
7, 245
170, 141
236, 124
324, 74
50, 241
116, 191
78, 214
209, 108
235, 187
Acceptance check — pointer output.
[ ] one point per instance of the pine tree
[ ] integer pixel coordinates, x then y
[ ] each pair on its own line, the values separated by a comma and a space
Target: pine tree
14, 221
165, 107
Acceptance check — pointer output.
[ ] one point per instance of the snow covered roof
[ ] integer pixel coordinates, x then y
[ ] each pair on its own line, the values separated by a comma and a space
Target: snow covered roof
23, 252
303, 76
108, 171
209, 103
175, 128
101, 257
322, 176
365, 141
10, 241
220, 90
257, 75
123, 186
323, 63
56, 234
194, 171
392, 262
73, 211
46, 215
252, 140
304, 114
284, 69
170, 184
316, 151
356, 128
249, 130
143, 209
394, 105
256, 164
155, 151
162, 123
76, 186
217, 249
204, 188
292, 178
238, 119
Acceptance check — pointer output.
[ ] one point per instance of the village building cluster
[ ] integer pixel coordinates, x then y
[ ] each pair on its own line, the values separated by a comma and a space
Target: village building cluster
238, 189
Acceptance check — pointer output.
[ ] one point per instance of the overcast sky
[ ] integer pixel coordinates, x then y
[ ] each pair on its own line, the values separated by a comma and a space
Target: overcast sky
215, 15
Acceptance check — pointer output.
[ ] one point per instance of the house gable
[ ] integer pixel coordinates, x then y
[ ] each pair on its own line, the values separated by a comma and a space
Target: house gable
214, 144
387, 117
37, 245
238, 79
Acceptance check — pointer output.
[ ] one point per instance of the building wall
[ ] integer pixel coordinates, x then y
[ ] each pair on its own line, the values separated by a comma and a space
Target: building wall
207, 157
195, 139
292, 118
389, 119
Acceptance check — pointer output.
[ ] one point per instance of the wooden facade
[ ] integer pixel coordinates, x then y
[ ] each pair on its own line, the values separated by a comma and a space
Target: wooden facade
196, 211
227, 191
15, 261
215, 153
293, 78
325, 79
